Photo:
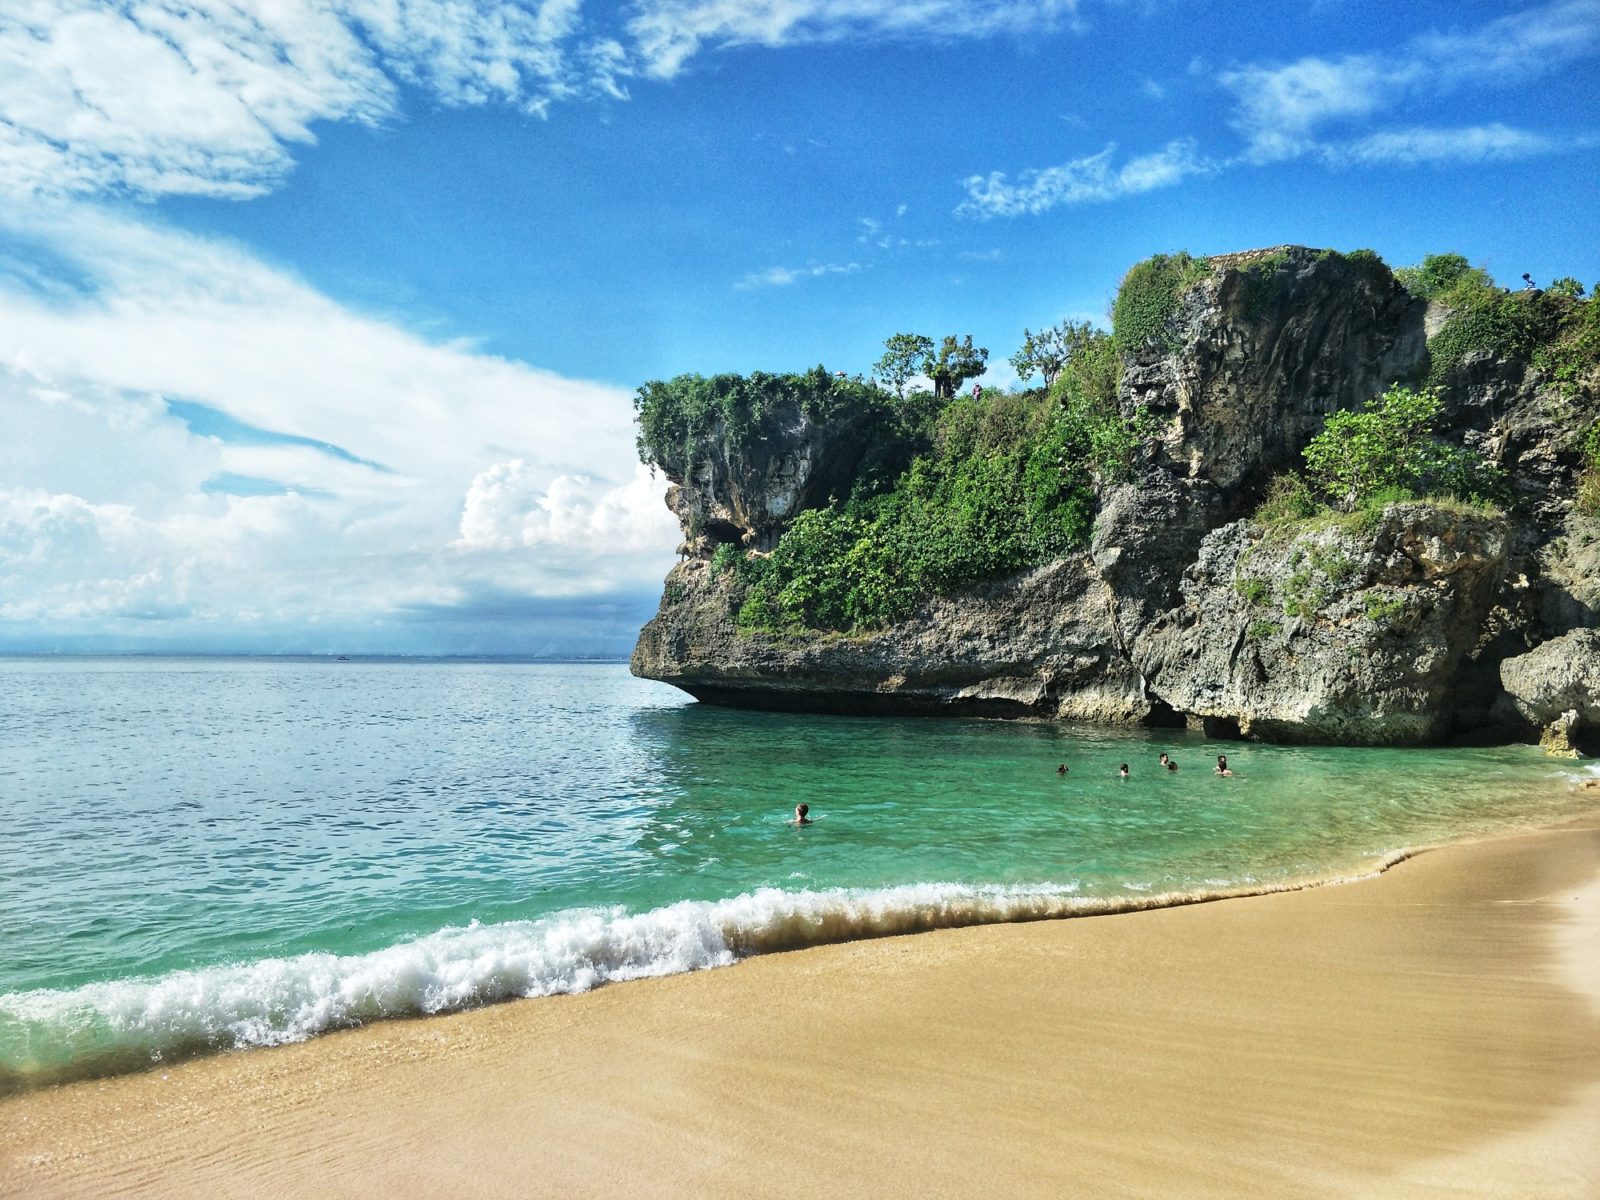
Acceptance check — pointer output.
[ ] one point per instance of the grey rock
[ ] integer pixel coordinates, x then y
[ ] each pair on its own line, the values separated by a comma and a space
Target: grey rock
1330, 634
1562, 675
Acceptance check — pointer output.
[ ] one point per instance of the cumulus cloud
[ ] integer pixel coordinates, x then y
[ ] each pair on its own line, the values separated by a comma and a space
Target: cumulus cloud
123, 398
1095, 178
512, 504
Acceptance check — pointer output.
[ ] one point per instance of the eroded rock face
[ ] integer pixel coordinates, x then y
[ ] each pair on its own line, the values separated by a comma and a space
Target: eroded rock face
1042, 645
1391, 631
1263, 350
1334, 634
746, 492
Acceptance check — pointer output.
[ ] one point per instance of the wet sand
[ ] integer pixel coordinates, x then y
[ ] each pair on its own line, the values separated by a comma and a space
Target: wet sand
1433, 1032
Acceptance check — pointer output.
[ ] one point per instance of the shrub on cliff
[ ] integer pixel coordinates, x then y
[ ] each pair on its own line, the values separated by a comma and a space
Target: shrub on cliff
1388, 448
1555, 330
1148, 296
1440, 276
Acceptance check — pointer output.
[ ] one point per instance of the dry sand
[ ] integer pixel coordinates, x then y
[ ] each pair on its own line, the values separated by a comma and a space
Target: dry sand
1434, 1032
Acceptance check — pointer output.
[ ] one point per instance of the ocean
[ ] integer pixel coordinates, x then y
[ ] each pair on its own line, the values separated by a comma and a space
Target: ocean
206, 854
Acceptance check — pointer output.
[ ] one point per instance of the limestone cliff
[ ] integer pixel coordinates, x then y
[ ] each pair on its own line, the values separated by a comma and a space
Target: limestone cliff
1388, 629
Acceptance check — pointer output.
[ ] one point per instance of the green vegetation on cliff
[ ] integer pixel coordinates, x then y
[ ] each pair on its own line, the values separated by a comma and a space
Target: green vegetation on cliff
1388, 448
1006, 482
677, 414
1149, 295
1382, 454
1555, 330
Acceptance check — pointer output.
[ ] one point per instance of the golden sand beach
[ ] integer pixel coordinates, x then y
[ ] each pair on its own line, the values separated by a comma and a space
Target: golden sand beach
1434, 1032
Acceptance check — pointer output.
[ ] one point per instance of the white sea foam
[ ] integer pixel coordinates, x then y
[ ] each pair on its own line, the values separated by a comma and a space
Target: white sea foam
122, 1024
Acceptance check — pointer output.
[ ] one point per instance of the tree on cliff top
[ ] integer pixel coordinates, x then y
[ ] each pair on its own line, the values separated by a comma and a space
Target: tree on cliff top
903, 357
956, 362
909, 354
1046, 352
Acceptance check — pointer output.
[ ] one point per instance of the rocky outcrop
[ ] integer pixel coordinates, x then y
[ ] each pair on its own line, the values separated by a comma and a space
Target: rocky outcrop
1041, 645
1261, 351
1413, 625
746, 490
1556, 688
1343, 633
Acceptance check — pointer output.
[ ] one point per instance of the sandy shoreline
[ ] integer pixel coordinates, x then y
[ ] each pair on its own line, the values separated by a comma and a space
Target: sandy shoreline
1433, 1032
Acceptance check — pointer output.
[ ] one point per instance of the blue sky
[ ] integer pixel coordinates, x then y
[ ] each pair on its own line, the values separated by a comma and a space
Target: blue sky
319, 319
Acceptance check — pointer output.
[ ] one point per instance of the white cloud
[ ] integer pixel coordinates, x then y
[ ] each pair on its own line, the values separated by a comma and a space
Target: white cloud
1285, 110
1282, 108
1091, 179
509, 504
784, 276
111, 508
151, 98
667, 33
206, 97
1475, 143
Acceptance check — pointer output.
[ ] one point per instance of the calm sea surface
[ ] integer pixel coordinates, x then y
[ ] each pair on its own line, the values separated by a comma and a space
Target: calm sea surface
209, 853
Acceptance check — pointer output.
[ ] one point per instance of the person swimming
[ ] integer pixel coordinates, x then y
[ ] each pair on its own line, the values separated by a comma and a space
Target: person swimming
1062, 769
1168, 763
800, 818
1222, 765
1122, 771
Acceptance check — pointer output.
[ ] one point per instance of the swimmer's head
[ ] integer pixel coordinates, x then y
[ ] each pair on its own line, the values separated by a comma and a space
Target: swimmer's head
801, 810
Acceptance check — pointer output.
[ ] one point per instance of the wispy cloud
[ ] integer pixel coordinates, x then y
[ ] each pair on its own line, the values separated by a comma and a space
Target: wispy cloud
1309, 106
784, 276
171, 97
1469, 144
667, 33
1094, 178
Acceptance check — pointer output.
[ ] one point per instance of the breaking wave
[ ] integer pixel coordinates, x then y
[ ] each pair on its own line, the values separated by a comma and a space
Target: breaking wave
102, 1028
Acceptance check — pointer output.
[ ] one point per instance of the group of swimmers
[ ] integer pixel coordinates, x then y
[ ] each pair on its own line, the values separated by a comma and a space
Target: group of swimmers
801, 811
1166, 762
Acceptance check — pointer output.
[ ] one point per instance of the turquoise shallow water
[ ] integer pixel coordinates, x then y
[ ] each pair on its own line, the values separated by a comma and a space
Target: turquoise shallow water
218, 853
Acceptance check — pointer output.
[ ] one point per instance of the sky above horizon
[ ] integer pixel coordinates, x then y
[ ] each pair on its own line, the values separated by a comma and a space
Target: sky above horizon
320, 319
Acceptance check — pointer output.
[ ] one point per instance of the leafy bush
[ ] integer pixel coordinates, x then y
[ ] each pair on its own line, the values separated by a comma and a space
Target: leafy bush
1288, 499
1443, 277
724, 558
677, 414
1261, 630
1149, 296
1389, 447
